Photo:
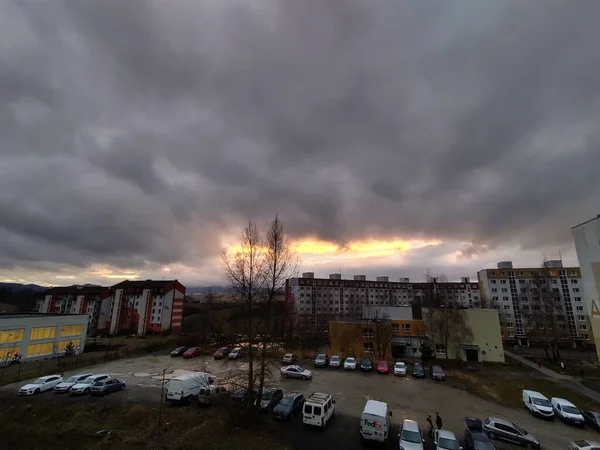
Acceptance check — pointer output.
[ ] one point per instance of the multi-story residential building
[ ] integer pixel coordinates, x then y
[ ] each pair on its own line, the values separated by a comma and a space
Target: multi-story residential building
143, 307
537, 303
74, 300
587, 245
312, 302
138, 307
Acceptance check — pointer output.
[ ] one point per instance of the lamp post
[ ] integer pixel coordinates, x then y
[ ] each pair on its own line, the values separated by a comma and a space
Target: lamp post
162, 390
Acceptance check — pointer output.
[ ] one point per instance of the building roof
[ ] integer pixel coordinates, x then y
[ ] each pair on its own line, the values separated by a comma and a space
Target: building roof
75, 289
375, 408
24, 315
144, 284
389, 312
587, 221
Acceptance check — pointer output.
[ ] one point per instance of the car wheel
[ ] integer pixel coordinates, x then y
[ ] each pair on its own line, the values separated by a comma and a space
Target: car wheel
86, 391
528, 445
304, 377
37, 391
491, 435
122, 387
285, 375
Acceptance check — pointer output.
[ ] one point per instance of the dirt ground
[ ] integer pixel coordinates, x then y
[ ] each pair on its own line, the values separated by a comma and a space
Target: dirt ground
407, 397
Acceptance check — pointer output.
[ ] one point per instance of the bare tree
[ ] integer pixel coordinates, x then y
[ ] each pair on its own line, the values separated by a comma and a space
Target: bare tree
382, 335
447, 326
246, 274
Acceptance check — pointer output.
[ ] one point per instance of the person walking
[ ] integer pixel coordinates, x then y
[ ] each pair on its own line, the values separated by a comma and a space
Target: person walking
430, 433
438, 420
539, 362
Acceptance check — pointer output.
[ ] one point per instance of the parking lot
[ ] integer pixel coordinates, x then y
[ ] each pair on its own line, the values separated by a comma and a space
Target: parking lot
407, 398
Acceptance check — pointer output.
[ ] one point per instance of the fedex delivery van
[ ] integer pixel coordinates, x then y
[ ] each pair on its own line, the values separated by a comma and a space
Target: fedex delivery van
375, 422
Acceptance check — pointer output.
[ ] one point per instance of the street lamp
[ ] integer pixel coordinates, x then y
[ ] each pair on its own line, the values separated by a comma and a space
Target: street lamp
162, 390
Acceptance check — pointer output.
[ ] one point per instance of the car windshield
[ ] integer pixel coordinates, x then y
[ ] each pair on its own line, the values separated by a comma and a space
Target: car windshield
289, 355
320, 356
350, 360
410, 436
570, 409
73, 379
418, 369
87, 381
519, 429
437, 369
99, 383
366, 362
39, 381
178, 349
300, 369
287, 402
483, 445
335, 358
267, 395
400, 365
450, 444
541, 402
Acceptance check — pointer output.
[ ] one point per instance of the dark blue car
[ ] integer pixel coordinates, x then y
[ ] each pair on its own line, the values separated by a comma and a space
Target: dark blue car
289, 405
366, 365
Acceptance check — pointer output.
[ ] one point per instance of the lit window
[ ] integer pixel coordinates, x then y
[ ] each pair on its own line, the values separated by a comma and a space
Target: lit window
40, 349
42, 333
8, 352
11, 335
62, 345
71, 330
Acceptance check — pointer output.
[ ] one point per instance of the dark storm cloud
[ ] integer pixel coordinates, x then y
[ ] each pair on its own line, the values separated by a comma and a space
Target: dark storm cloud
136, 132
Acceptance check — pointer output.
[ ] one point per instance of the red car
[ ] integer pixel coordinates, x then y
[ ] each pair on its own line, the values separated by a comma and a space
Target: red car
191, 352
382, 367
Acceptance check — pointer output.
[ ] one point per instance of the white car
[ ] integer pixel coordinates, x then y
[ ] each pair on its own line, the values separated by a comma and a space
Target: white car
66, 385
85, 385
350, 364
335, 361
567, 411
446, 440
400, 369
584, 444
296, 372
42, 384
411, 437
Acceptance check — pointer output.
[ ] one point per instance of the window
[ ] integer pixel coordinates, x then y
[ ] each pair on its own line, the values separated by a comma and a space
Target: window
71, 330
506, 306
583, 327
577, 299
8, 352
504, 289
502, 281
520, 274
395, 327
40, 349
406, 327
502, 274
494, 290
440, 349
505, 299
493, 281
575, 289
368, 332
581, 318
368, 347
42, 333
495, 298
511, 335
579, 308
492, 274
11, 335
62, 345
509, 325
584, 336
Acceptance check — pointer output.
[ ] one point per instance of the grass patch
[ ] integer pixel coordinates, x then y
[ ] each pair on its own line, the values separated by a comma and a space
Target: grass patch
32, 424
505, 387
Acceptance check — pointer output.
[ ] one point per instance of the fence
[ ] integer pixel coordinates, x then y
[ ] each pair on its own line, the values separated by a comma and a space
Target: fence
33, 369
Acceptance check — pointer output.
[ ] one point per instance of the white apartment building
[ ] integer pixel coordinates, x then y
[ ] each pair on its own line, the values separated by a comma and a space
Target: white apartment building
313, 302
587, 245
512, 291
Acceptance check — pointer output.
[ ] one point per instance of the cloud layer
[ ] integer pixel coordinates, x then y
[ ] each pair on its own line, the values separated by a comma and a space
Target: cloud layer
136, 134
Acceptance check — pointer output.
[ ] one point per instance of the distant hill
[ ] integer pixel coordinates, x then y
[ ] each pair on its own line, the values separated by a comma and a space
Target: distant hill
16, 287
21, 296
206, 289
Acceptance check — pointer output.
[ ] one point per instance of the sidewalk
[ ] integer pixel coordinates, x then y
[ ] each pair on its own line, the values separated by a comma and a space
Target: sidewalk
566, 380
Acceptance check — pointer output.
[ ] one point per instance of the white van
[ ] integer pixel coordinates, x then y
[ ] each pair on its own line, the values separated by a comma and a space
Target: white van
375, 422
537, 404
186, 387
318, 410
567, 411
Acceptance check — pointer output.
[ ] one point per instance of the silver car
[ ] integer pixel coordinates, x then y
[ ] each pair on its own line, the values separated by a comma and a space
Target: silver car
335, 361
505, 430
411, 437
296, 372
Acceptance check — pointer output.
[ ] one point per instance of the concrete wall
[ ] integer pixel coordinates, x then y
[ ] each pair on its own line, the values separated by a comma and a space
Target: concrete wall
485, 326
19, 325
587, 245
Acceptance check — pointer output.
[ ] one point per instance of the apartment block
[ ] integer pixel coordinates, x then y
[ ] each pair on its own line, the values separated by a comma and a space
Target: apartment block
587, 245
74, 300
142, 307
537, 302
312, 302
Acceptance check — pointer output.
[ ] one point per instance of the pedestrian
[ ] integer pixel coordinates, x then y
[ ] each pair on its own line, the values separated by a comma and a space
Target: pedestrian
430, 433
539, 362
438, 420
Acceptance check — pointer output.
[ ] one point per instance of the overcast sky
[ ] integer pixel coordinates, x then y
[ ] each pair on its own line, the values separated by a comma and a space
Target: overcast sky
138, 137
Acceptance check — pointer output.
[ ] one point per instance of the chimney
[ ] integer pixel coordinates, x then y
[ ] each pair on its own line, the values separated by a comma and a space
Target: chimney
308, 275
360, 278
383, 279
505, 265
335, 276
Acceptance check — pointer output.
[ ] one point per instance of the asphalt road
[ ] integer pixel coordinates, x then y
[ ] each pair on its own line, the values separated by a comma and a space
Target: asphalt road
407, 398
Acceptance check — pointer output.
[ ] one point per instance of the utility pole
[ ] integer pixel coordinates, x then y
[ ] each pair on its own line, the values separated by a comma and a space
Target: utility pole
162, 391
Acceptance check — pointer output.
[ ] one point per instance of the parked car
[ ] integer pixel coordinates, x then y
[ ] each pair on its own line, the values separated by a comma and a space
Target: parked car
179, 351
537, 404
318, 410
270, 398
400, 369
437, 373
350, 364
85, 386
296, 372
584, 444
592, 418
211, 394
335, 362
475, 436
241, 395
66, 385
410, 436
104, 387
192, 352
289, 358
289, 405
236, 353
321, 360
418, 371
40, 385
505, 430
221, 353
366, 365
445, 440
567, 411
382, 367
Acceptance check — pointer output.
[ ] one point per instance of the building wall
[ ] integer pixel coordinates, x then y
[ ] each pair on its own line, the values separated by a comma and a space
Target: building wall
41, 336
587, 245
485, 326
